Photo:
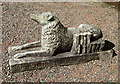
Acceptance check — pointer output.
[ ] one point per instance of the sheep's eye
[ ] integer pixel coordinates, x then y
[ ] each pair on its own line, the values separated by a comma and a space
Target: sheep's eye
51, 19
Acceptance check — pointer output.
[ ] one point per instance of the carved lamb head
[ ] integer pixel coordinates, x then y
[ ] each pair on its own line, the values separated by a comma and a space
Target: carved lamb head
44, 18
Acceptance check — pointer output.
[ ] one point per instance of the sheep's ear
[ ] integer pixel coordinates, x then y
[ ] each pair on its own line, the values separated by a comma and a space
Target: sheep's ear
51, 18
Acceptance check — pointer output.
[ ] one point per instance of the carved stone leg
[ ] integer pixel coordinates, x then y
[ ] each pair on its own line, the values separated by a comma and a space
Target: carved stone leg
86, 41
89, 48
102, 44
76, 45
88, 37
96, 46
25, 46
93, 47
83, 49
80, 41
31, 54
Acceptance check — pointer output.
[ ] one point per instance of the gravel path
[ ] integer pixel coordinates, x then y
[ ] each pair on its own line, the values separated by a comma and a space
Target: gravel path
18, 29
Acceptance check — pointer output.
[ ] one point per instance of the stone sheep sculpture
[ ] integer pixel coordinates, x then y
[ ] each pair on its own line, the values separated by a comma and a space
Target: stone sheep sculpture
55, 38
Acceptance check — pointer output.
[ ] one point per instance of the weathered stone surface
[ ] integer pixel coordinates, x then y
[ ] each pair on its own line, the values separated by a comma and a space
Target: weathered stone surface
79, 41
82, 44
95, 31
68, 58
55, 37
25, 46
59, 45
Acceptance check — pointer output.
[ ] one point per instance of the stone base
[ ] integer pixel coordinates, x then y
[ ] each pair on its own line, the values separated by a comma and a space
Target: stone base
32, 63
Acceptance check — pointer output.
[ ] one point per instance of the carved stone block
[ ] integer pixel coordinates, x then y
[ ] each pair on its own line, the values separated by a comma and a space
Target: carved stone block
59, 46
82, 44
68, 58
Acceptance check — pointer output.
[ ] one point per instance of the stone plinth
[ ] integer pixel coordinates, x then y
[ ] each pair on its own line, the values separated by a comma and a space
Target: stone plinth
68, 58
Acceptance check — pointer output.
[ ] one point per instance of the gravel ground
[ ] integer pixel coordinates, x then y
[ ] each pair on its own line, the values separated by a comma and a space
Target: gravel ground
18, 29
